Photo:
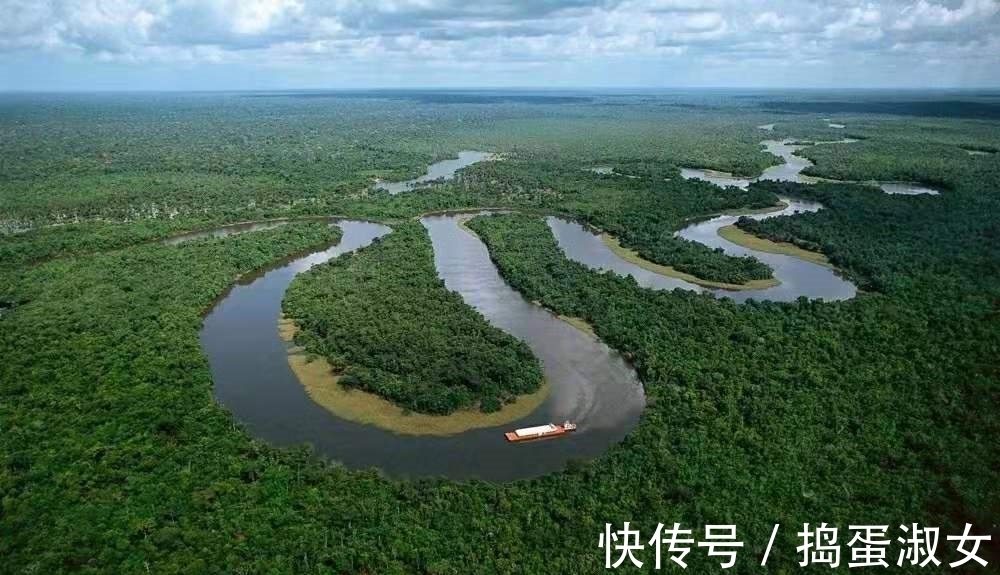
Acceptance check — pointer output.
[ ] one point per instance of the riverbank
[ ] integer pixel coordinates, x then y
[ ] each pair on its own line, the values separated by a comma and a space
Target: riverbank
741, 238
579, 323
753, 211
633, 257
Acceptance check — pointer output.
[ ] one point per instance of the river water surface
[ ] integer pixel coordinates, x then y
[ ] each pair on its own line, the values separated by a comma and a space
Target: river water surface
590, 383
791, 170
907, 189
443, 170
798, 277
224, 231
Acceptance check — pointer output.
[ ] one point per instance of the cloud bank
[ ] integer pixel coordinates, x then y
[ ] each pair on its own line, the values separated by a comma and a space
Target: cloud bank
355, 43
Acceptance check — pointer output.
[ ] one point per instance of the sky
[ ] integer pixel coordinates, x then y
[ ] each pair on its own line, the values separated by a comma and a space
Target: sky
353, 44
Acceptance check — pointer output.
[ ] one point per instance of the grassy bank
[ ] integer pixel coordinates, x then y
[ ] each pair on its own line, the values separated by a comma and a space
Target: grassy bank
633, 257
322, 384
748, 240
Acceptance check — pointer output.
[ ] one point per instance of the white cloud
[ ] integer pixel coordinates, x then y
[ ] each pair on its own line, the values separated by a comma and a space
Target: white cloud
858, 23
256, 16
704, 22
774, 21
928, 14
501, 33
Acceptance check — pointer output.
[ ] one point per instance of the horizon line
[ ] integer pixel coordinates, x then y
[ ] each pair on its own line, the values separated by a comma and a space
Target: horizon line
506, 89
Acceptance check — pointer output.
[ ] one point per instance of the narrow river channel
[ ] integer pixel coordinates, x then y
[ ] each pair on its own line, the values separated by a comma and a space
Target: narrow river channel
798, 277
438, 171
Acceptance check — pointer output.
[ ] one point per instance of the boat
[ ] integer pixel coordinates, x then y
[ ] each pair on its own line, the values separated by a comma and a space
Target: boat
539, 432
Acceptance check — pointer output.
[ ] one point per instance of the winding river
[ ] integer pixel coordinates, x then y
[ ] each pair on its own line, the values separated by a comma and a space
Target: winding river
798, 277
791, 170
589, 382
443, 170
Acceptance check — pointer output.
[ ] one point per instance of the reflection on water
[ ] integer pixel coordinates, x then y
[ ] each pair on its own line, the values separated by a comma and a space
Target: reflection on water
223, 231
718, 178
907, 189
443, 170
590, 383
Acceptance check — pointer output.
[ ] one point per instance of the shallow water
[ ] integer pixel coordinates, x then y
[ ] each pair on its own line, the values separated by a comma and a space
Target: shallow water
443, 170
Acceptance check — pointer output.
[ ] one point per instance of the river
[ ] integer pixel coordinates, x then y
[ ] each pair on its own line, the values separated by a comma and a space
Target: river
224, 231
590, 383
798, 277
791, 170
443, 170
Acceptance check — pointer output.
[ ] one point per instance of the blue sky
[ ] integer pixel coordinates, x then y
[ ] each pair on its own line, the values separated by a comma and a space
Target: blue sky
275, 44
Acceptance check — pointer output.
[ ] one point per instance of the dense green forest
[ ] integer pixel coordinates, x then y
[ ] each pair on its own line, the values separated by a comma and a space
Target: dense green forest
885, 402
195, 159
860, 232
631, 209
116, 457
385, 321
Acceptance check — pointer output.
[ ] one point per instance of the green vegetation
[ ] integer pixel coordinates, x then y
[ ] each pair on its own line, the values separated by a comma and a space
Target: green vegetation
867, 408
237, 157
646, 223
114, 456
642, 214
634, 257
946, 240
79, 238
385, 320
323, 386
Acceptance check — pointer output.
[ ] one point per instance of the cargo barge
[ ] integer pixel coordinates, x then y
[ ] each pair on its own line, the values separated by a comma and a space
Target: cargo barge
539, 432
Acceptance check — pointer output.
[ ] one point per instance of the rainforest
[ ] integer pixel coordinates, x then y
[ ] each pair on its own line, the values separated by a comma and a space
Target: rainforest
225, 347
397, 331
